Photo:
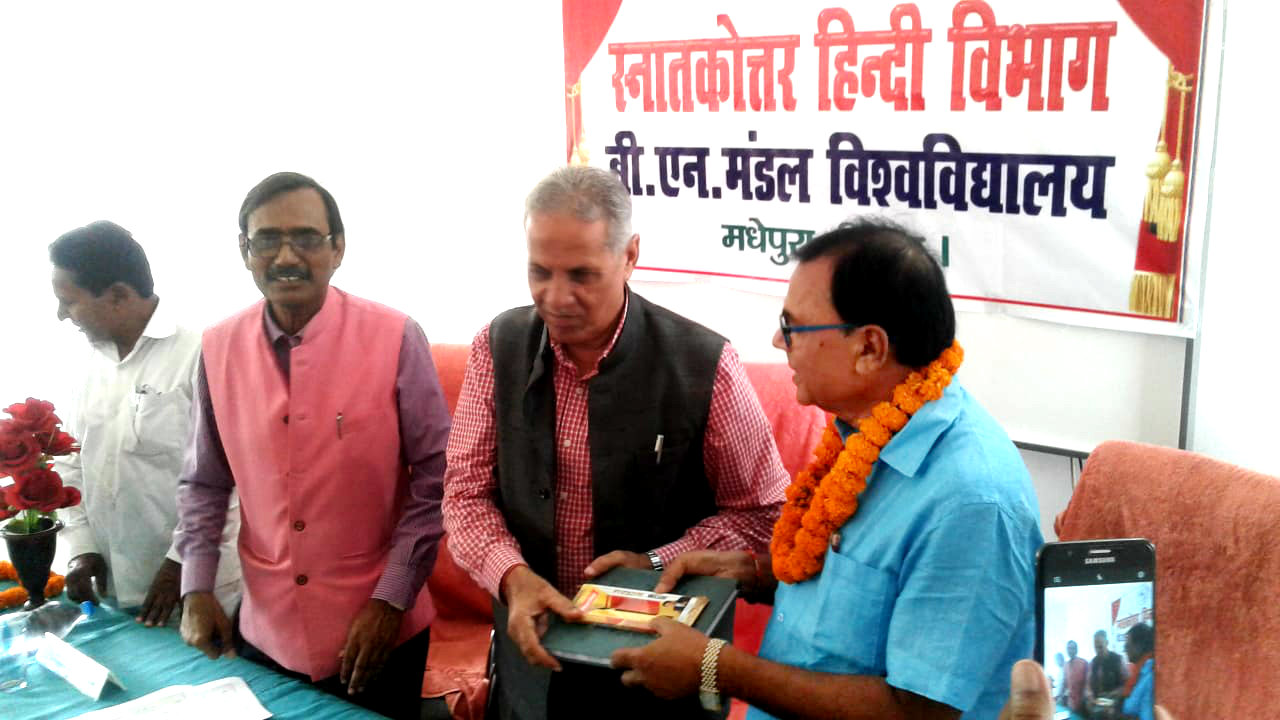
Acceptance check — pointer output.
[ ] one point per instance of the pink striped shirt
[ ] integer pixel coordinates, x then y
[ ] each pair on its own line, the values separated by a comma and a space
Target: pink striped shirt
739, 455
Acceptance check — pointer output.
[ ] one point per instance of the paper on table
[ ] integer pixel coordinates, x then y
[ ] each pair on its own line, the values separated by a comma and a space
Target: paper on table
226, 699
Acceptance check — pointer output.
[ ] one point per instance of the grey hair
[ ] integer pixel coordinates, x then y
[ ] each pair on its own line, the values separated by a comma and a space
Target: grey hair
588, 194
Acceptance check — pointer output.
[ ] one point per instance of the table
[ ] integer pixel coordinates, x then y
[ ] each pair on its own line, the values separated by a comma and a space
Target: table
148, 659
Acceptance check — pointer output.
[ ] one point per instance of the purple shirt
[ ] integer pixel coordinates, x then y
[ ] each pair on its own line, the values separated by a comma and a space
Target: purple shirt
205, 484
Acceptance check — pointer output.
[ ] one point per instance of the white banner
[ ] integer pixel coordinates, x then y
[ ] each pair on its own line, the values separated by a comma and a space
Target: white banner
1019, 139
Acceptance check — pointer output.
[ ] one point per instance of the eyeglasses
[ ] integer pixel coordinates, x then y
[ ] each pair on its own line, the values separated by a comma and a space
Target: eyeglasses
784, 324
268, 242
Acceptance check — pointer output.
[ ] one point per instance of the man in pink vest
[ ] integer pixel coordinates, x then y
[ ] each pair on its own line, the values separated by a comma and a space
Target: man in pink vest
324, 411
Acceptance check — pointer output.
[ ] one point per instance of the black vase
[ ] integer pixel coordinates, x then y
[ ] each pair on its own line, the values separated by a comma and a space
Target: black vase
32, 556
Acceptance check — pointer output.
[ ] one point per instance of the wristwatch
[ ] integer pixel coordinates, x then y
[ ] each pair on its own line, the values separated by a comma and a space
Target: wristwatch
656, 561
709, 690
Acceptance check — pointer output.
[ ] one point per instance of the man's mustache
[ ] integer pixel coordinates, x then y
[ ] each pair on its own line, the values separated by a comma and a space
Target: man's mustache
288, 272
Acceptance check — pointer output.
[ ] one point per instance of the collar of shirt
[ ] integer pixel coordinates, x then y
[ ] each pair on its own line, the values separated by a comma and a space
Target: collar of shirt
162, 323
274, 333
562, 357
160, 326
908, 449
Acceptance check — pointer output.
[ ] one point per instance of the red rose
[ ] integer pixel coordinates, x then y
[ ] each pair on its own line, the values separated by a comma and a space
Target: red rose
70, 496
34, 415
60, 443
19, 449
35, 489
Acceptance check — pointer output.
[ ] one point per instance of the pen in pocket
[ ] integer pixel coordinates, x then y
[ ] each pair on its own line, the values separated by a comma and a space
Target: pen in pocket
339, 421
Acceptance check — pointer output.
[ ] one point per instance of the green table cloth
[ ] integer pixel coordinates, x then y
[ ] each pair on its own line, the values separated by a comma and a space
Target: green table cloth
148, 659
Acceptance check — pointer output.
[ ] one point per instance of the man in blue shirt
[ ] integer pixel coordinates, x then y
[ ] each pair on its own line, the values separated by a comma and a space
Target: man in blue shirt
1139, 646
925, 596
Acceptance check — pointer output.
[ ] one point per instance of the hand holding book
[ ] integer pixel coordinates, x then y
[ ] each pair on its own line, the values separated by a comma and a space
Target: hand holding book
594, 643
669, 666
617, 558
531, 601
753, 573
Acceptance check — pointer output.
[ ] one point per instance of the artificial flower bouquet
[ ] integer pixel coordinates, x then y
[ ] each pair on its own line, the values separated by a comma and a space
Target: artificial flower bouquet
29, 440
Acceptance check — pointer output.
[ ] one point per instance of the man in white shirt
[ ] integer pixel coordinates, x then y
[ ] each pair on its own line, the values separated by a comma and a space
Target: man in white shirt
133, 421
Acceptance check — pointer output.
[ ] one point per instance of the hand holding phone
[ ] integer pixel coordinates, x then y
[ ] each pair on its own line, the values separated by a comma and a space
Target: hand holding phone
1095, 626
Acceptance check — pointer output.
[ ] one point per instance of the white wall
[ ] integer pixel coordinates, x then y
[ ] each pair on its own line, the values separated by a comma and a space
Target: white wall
161, 116
1235, 392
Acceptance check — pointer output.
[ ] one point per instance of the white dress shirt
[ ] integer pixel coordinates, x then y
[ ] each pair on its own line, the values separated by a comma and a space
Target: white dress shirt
133, 420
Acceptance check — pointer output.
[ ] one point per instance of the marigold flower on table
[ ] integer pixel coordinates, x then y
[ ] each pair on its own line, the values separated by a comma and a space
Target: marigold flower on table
16, 596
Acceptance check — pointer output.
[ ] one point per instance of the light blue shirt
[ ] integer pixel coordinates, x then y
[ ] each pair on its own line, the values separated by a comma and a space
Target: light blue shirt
1141, 701
932, 586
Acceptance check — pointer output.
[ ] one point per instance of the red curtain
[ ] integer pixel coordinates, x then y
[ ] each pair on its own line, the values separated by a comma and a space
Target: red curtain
585, 24
1175, 28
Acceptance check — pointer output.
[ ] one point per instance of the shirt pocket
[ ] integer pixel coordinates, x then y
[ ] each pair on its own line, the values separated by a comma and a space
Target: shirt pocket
656, 473
160, 422
357, 421
660, 460
851, 626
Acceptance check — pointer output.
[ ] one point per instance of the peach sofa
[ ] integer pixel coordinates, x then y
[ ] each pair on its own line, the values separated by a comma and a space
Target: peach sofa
460, 635
1217, 540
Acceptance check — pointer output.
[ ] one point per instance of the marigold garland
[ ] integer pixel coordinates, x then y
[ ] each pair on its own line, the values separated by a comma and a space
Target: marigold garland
17, 595
823, 496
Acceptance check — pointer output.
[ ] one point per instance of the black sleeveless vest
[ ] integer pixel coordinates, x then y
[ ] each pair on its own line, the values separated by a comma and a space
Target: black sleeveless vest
657, 380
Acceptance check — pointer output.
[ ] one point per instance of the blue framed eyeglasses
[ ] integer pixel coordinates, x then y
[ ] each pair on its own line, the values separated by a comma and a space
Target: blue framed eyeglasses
787, 328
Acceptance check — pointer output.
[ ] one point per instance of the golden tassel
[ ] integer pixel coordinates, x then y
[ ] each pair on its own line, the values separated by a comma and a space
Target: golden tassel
1152, 294
1156, 170
1168, 215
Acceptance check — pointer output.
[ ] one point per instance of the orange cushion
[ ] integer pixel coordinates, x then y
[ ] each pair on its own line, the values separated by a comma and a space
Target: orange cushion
1217, 569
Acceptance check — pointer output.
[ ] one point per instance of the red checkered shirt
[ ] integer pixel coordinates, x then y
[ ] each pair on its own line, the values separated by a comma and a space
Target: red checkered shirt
738, 450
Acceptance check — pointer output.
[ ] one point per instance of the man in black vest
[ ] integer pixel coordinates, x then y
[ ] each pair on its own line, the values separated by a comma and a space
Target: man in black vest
1107, 676
595, 429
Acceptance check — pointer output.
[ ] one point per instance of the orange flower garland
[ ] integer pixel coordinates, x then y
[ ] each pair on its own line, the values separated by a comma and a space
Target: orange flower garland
17, 595
824, 495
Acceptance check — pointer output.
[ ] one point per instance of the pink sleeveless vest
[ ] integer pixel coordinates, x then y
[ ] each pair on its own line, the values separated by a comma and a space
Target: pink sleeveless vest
319, 496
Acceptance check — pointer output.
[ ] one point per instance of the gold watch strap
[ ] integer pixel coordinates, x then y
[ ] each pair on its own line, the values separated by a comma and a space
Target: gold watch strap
709, 690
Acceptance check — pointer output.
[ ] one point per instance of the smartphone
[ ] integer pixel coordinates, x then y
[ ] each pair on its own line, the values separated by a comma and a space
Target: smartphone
1095, 626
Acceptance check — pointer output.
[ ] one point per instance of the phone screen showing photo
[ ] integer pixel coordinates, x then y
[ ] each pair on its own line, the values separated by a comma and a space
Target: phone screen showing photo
1099, 641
